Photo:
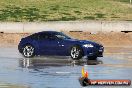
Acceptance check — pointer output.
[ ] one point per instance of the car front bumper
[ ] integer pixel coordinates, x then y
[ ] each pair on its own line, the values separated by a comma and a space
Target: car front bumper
94, 51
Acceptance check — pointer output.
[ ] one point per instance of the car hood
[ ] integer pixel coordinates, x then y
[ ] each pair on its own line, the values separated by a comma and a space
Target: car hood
85, 42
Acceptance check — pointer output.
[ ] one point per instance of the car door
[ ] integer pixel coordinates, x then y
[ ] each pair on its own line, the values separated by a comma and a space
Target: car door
48, 45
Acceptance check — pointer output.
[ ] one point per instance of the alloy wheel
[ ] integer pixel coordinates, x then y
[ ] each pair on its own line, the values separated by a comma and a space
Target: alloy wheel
28, 51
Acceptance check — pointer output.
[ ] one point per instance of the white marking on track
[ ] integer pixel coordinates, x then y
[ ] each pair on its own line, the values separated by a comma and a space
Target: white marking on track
63, 72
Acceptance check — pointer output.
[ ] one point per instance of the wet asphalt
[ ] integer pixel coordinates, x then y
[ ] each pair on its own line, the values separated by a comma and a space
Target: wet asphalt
60, 72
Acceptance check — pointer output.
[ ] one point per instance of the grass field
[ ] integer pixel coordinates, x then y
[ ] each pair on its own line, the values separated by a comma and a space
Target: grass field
127, 1
64, 10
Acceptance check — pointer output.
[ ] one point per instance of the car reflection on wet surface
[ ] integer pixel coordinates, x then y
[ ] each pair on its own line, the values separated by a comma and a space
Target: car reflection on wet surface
55, 62
60, 72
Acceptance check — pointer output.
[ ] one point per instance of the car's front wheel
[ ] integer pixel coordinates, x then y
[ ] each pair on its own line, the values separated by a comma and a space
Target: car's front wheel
76, 52
28, 51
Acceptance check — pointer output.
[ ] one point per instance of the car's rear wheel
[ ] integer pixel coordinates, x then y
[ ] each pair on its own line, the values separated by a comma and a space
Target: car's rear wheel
76, 52
28, 51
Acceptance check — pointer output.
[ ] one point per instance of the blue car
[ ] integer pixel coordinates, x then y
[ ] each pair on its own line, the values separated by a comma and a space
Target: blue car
57, 43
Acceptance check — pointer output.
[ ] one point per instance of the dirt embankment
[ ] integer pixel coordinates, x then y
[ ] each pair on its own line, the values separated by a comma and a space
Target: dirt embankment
110, 39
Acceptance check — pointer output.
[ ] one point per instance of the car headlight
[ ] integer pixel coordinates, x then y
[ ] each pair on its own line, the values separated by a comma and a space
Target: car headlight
88, 45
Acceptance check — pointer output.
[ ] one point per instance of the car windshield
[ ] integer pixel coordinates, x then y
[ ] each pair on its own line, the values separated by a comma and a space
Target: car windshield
60, 35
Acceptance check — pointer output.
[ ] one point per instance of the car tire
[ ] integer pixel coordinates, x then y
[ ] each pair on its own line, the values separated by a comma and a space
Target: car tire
92, 58
28, 51
76, 52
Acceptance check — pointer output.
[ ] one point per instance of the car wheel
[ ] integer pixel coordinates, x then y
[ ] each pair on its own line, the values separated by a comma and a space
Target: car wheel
76, 52
28, 51
92, 58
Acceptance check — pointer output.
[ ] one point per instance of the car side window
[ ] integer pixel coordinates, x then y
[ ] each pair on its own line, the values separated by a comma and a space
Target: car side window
44, 36
34, 36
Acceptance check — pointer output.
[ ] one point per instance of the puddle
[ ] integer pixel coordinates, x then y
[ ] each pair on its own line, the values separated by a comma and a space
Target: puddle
59, 72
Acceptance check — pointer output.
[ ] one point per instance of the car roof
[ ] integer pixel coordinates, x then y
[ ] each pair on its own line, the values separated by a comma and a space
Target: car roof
48, 32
